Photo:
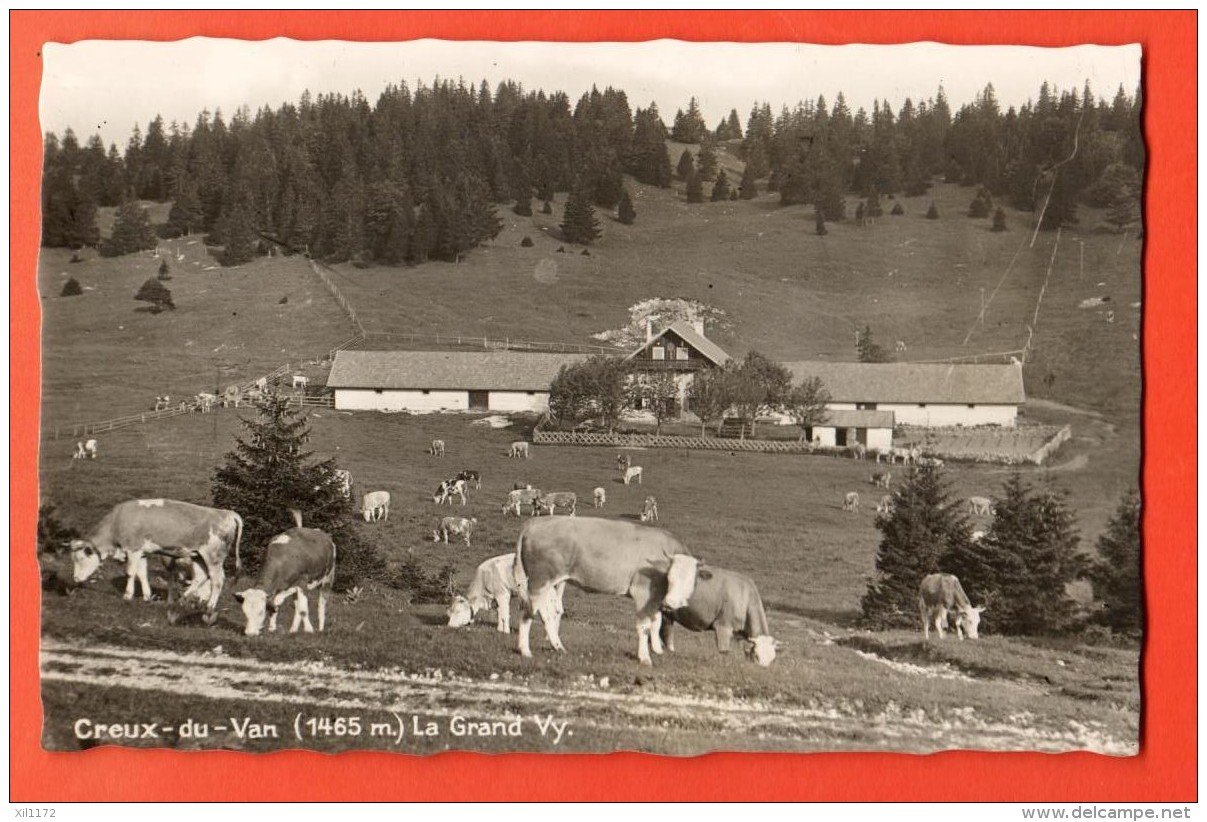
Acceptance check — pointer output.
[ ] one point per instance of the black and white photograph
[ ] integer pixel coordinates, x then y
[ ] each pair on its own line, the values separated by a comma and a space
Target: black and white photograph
672, 397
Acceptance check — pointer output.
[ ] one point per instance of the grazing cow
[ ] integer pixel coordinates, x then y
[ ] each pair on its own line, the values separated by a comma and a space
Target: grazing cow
601, 556
851, 502
375, 505
493, 584
85, 449
455, 525
933, 462
600, 496
437, 449
232, 396
649, 511
726, 603
296, 561
447, 490
471, 476
179, 530
300, 381
885, 505
206, 401
162, 403
523, 496
623, 461
344, 478
980, 505
519, 449
262, 385
859, 451
558, 499
631, 473
520, 485
900, 347
942, 593
977, 536
881, 479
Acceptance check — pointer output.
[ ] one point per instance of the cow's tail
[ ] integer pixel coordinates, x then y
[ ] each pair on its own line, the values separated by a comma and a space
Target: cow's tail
297, 516
521, 578
238, 539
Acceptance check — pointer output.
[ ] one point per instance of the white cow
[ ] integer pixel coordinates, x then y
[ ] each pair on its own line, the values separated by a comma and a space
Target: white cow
300, 381
86, 449
649, 511
885, 505
493, 585
980, 505
881, 479
523, 496
205, 402
632, 473
375, 505
344, 478
600, 496
851, 502
179, 530
519, 449
942, 593
437, 449
558, 499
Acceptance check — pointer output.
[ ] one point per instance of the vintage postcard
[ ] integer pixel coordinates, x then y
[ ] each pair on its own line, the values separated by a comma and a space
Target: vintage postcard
589, 397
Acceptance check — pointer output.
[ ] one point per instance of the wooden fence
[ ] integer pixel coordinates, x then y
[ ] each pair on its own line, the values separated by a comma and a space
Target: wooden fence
324, 274
617, 440
487, 343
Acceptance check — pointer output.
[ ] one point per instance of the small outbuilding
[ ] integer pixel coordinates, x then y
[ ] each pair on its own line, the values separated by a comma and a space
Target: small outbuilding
873, 429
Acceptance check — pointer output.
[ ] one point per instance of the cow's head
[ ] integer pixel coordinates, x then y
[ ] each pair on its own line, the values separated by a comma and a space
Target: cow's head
762, 650
681, 580
255, 609
85, 559
969, 619
460, 612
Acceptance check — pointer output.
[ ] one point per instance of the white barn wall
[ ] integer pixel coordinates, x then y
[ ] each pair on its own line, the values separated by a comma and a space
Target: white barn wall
944, 415
519, 401
881, 438
367, 399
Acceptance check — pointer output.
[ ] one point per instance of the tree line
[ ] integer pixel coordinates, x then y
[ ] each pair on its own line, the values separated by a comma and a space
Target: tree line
417, 174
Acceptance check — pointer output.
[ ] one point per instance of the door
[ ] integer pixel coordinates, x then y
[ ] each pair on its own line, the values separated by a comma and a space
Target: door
479, 400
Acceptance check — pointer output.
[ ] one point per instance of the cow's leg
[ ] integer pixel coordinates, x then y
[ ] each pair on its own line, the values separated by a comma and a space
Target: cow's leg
531, 607
503, 606
666, 631
551, 615
324, 592
272, 616
644, 625
724, 637
301, 612
656, 644
941, 621
142, 579
132, 560
217, 578
925, 621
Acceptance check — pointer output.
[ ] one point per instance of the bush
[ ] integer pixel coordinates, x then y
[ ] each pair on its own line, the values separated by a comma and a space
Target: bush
423, 587
981, 204
526, 242
897, 210
932, 213
71, 288
546, 208
999, 220
164, 270
821, 225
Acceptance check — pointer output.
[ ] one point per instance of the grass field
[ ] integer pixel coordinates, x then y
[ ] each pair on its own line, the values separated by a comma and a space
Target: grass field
777, 518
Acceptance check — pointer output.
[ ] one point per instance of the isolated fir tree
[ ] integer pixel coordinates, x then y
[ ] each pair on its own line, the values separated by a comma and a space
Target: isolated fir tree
874, 209
982, 204
748, 188
706, 160
186, 215
157, 294
1123, 211
579, 224
238, 236
923, 526
625, 211
523, 206
897, 210
1116, 573
269, 472
1021, 568
868, 350
720, 189
546, 207
165, 271
820, 224
131, 231
999, 219
686, 166
71, 288
695, 189
932, 213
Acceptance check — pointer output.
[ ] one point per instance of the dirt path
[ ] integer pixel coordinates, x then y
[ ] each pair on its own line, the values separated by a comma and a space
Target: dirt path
658, 721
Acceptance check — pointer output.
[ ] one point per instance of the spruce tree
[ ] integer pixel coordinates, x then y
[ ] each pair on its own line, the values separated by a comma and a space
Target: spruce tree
1123, 211
695, 189
748, 189
579, 224
820, 223
923, 526
131, 231
981, 204
238, 237
706, 160
999, 219
164, 271
186, 215
546, 207
71, 288
720, 189
897, 210
1116, 573
869, 350
625, 211
157, 294
523, 206
269, 472
686, 166
932, 213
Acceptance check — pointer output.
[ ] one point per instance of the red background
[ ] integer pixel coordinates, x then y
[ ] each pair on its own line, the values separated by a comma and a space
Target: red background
1166, 768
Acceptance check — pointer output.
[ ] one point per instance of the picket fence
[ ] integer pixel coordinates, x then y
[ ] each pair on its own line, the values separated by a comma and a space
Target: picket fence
617, 440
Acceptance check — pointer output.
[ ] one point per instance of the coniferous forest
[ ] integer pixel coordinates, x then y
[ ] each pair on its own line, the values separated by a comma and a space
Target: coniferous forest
418, 174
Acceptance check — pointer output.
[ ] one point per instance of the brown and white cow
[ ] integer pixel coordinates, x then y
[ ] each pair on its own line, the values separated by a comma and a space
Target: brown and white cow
493, 585
523, 496
649, 511
375, 505
296, 561
344, 479
180, 530
447, 490
940, 594
550, 502
605, 556
726, 603
455, 525
437, 448
599, 496
632, 473
471, 476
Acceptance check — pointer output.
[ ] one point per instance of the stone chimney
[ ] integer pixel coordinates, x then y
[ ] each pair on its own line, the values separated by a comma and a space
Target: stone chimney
698, 324
649, 329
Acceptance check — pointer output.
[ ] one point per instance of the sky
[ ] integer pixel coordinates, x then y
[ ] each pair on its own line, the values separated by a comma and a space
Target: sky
107, 87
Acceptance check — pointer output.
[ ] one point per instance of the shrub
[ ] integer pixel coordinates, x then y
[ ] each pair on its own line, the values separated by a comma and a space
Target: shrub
157, 294
897, 210
932, 213
821, 225
526, 242
424, 587
546, 207
1116, 575
625, 211
981, 204
71, 288
164, 270
523, 207
999, 220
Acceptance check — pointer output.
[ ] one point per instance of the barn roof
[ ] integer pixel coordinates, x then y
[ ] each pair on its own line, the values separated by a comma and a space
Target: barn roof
913, 382
447, 370
857, 419
709, 349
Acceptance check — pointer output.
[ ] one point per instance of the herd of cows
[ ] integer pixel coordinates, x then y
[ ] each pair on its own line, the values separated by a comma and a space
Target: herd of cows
667, 583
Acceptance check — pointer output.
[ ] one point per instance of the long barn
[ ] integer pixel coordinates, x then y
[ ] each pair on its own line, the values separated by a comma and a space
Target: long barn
427, 381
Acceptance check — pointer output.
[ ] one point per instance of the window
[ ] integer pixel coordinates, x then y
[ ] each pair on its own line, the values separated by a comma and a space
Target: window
865, 406
972, 405
376, 390
532, 393
681, 353
658, 353
921, 405
426, 392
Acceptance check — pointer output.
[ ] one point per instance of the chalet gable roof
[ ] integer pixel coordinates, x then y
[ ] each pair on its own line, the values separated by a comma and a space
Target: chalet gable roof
684, 330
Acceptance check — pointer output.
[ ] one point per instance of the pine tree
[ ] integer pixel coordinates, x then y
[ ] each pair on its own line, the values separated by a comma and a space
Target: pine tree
897, 210
932, 213
999, 219
131, 231
238, 237
625, 211
157, 294
706, 160
869, 350
1116, 574
687, 164
71, 288
734, 125
1024, 563
269, 472
923, 526
982, 204
546, 207
165, 272
186, 215
579, 224
748, 189
1123, 211
720, 189
695, 189
523, 206
820, 223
